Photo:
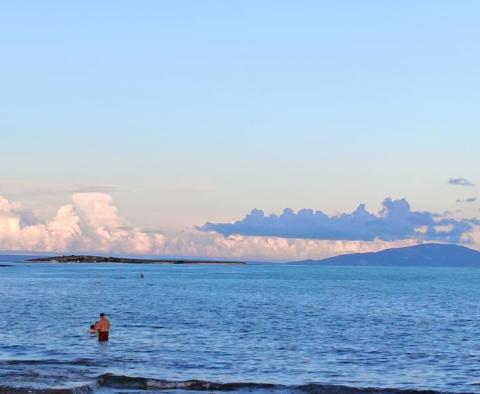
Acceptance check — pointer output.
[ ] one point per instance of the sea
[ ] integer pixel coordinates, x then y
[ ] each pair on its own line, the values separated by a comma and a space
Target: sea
257, 328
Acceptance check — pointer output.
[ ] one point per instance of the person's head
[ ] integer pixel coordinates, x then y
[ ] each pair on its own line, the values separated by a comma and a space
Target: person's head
92, 326
102, 315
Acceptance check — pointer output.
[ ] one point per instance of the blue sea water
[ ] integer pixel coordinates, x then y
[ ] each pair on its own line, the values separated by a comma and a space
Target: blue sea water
289, 325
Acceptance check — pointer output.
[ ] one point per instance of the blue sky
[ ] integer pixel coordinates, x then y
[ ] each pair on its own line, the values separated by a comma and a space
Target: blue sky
196, 111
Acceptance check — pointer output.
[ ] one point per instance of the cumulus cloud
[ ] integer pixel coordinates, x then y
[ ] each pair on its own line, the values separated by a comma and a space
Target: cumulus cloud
92, 223
459, 182
467, 200
396, 221
89, 223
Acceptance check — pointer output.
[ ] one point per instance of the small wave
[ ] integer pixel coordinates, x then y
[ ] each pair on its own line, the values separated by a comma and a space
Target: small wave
27, 390
140, 383
112, 381
129, 382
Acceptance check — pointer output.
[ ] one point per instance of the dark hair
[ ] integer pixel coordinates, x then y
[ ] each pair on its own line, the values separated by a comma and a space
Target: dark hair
102, 314
92, 326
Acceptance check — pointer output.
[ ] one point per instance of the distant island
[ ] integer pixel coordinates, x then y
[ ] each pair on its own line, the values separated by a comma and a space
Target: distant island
428, 254
123, 260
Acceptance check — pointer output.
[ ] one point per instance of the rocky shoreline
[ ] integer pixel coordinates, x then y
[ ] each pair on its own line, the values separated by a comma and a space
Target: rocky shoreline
122, 260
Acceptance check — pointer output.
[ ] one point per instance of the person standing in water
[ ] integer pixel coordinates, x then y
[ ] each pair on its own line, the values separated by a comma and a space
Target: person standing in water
103, 328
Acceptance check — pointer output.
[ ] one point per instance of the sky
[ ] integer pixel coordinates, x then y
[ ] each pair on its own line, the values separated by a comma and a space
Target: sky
180, 118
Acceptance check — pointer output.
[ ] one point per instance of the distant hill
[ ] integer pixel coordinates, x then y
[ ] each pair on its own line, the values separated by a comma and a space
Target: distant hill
429, 254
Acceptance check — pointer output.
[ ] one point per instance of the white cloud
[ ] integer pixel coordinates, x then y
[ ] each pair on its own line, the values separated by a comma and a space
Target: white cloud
421, 229
473, 238
91, 223
211, 244
444, 229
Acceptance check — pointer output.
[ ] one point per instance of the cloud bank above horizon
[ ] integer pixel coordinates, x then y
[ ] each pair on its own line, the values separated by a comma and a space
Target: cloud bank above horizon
92, 223
396, 221
89, 223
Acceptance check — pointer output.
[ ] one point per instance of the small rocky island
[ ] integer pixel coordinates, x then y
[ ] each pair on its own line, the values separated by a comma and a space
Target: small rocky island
122, 260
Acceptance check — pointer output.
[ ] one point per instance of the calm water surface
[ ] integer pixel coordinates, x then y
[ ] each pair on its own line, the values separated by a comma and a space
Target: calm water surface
290, 325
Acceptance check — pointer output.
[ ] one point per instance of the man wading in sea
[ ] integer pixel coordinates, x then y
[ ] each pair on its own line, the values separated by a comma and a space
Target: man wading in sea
103, 327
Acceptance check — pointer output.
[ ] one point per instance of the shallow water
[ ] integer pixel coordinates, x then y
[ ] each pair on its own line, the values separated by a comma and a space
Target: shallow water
406, 328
